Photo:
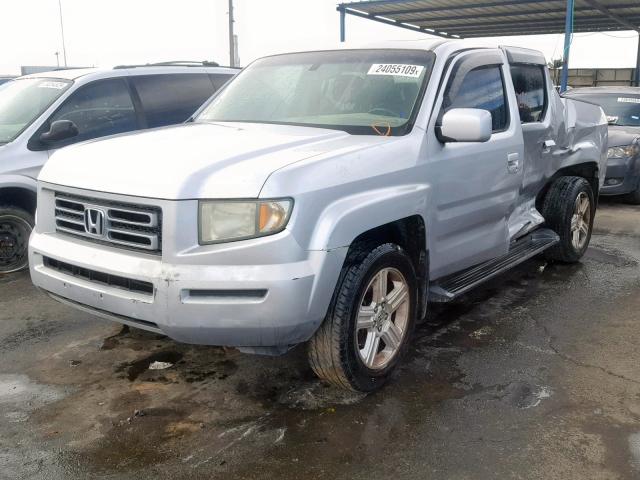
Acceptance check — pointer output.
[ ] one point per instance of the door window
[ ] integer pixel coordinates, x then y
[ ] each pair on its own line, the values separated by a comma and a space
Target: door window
481, 88
98, 109
529, 84
171, 99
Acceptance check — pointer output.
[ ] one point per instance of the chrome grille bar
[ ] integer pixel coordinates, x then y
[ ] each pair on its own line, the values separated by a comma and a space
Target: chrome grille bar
127, 225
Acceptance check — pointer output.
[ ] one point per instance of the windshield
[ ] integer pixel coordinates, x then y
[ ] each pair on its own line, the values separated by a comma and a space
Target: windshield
365, 92
620, 108
24, 100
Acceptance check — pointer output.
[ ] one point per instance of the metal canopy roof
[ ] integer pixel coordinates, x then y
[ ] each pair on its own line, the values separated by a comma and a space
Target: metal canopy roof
490, 18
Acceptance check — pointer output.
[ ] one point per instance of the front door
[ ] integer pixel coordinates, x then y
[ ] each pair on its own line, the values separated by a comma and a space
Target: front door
475, 185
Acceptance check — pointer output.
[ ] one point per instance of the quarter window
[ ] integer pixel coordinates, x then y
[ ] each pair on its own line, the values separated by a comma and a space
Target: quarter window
481, 88
171, 99
98, 109
529, 85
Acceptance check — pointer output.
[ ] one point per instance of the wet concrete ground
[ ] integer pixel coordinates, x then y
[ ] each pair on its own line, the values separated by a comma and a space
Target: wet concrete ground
536, 375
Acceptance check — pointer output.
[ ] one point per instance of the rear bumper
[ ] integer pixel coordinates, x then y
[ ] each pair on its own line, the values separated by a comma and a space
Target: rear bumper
272, 305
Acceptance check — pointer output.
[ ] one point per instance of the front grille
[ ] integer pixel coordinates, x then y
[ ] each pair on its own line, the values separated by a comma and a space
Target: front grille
99, 277
126, 225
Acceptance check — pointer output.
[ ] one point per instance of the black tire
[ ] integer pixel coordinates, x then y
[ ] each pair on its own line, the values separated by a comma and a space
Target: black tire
558, 211
16, 225
333, 351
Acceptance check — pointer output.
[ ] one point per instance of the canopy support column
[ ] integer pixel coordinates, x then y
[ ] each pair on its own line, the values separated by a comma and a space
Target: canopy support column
342, 24
636, 80
568, 31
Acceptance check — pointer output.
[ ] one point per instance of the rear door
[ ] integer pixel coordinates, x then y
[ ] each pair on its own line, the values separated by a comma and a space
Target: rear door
532, 87
169, 99
475, 185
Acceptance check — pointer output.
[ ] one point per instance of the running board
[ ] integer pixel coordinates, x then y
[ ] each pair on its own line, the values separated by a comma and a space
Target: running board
523, 249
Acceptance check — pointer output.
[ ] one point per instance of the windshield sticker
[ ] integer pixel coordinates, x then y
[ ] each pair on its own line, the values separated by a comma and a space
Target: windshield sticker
396, 69
56, 85
629, 99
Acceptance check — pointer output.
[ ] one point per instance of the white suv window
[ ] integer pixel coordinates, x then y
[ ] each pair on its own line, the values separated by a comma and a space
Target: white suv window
101, 108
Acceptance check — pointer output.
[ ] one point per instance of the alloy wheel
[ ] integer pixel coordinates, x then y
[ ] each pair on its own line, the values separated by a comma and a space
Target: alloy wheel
580, 221
383, 318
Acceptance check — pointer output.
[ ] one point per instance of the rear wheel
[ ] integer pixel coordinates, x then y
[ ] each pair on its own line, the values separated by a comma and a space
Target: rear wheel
569, 209
15, 228
370, 321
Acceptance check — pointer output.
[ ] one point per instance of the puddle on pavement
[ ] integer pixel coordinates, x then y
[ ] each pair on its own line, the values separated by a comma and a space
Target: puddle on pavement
133, 370
634, 448
609, 256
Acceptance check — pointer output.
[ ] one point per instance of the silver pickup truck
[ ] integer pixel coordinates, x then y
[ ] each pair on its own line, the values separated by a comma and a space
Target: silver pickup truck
325, 197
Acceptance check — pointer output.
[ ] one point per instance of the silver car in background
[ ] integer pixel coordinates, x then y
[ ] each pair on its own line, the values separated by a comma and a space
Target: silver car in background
44, 112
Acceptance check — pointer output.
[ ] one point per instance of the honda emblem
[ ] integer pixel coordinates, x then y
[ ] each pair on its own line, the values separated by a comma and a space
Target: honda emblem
94, 222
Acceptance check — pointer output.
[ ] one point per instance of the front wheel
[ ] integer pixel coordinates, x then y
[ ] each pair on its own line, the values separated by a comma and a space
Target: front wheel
569, 210
370, 320
15, 228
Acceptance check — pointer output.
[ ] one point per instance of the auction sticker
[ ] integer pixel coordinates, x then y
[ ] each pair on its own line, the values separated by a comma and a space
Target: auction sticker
396, 69
628, 99
56, 85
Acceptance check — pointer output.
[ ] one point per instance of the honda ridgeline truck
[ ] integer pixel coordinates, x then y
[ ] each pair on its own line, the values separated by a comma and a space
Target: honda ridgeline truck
325, 197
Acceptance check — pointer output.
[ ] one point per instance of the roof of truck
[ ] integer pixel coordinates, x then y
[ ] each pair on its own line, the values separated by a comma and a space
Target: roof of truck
448, 46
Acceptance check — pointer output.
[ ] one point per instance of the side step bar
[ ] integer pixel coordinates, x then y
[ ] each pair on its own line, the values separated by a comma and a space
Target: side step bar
523, 249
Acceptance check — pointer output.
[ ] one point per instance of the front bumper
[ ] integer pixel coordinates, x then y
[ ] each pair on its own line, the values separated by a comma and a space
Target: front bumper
252, 306
622, 176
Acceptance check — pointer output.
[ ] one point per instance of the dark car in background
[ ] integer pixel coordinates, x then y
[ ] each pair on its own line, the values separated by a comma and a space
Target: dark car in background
622, 107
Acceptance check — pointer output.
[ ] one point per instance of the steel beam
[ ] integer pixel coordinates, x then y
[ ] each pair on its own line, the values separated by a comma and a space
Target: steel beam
525, 32
387, 21
598, 6
529, 23
342, 24
552, 27
542, 11
364, 5
637, 72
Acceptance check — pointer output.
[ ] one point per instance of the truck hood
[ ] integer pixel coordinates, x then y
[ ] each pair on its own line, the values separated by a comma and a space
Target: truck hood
196, 160
620, 135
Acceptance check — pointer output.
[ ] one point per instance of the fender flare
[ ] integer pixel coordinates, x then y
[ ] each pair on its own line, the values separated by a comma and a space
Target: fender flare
18, 181
12, 184
348, 217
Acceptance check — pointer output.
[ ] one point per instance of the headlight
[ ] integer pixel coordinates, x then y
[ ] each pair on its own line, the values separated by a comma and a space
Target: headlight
228, 220
622, 152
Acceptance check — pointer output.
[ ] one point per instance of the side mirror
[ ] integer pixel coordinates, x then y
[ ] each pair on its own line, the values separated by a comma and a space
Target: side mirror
59, 130
465, 125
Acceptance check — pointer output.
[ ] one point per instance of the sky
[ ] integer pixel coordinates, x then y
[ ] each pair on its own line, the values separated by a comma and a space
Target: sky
114, 32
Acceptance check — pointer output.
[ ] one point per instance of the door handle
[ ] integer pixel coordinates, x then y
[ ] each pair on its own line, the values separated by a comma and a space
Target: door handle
513, 162
548, 145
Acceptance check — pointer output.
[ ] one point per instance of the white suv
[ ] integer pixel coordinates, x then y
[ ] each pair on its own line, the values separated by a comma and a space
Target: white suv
43, 112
